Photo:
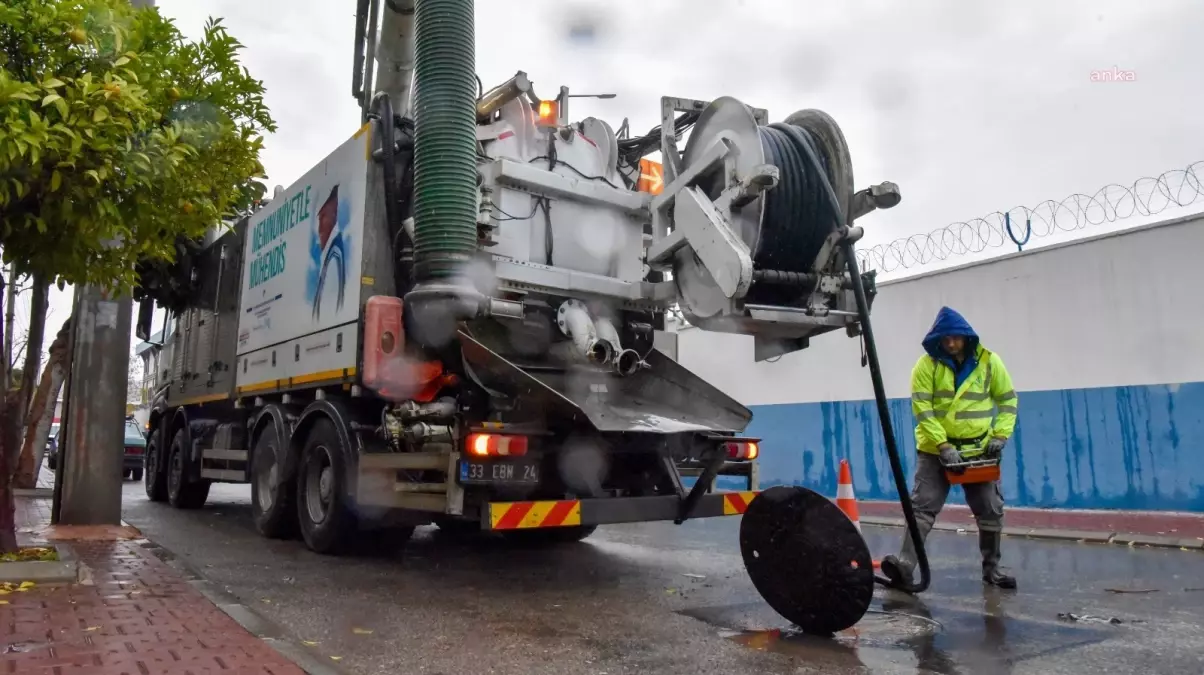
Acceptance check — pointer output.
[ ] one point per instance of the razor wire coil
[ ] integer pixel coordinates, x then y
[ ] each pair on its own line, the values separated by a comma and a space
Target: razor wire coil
1020, 225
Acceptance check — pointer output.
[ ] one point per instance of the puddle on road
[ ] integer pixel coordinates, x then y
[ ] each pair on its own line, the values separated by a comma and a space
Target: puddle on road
870, 641
905, 635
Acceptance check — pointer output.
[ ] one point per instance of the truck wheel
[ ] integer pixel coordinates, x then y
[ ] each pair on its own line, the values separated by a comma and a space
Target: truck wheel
324, 504
155, 478
272, 505
548, 536
181, 493
136, 474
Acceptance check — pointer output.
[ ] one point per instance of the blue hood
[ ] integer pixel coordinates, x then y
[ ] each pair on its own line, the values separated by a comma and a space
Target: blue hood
949, 322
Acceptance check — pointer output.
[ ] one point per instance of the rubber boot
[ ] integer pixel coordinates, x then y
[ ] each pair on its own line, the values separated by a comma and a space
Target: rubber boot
900, 569
989, 544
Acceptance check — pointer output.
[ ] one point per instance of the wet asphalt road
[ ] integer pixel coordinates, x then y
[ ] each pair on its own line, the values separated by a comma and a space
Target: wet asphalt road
658, 598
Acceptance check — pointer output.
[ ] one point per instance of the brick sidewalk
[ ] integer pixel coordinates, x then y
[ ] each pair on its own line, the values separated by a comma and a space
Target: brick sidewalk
136, 615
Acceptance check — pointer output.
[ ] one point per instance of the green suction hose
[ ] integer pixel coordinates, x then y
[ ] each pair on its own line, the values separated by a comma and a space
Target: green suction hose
445, 155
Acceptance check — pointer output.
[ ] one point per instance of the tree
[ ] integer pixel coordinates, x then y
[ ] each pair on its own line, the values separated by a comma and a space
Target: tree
133, 387
118, 139
38, 430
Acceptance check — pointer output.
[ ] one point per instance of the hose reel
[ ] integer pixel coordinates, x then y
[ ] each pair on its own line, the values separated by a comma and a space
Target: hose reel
745, 230
785, 227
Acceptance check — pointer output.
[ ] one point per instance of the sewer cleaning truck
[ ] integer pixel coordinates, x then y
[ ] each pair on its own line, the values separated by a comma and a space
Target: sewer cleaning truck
454, 319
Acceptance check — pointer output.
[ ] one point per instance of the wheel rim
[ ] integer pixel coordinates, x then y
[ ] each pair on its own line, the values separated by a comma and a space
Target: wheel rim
266, 475
319, 485
152, 457
175, 472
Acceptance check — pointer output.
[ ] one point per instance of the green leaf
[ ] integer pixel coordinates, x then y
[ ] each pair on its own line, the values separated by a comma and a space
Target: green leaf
121, 61
53, 83
61, 105
91, 173
56, 181
100, 114
23, 96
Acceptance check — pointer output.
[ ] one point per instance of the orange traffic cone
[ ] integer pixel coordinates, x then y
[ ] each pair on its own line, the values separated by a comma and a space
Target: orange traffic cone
847, 500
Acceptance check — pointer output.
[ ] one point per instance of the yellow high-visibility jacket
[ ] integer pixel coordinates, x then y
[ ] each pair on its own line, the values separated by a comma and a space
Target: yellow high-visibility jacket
983, 406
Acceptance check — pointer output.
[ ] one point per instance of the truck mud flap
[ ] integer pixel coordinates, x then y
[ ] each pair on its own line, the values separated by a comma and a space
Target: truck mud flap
571, 512
662, 398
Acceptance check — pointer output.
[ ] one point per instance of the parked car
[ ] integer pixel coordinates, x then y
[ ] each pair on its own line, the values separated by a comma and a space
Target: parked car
134, 449
52, 447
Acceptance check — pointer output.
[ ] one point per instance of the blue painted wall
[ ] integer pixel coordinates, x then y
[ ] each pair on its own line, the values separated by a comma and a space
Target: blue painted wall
1136, 447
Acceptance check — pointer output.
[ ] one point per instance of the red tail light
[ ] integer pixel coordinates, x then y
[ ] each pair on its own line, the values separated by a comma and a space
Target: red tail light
496, 445
131, 450
742, 450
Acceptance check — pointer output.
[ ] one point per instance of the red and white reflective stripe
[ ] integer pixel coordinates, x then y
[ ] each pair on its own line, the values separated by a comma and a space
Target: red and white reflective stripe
845, 491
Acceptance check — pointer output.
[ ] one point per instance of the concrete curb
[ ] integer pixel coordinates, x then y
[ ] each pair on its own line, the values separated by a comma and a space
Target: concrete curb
253, 622
1081, 536
34, 493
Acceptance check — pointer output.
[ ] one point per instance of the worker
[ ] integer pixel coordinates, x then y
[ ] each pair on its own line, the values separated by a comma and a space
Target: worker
956, 388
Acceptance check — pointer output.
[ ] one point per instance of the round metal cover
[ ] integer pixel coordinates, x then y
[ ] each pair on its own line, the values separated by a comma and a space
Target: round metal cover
729, 119
807, 559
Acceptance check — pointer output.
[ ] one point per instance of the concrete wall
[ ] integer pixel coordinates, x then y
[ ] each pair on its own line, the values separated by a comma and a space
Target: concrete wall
1104, 339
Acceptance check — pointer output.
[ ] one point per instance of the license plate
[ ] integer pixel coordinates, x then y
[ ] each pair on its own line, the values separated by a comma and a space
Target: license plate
524, 472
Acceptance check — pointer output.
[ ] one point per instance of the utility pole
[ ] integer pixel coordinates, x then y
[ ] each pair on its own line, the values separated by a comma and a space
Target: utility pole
87, 485
89, 480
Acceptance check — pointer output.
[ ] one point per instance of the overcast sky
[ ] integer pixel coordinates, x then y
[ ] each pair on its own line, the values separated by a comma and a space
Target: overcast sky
971, 107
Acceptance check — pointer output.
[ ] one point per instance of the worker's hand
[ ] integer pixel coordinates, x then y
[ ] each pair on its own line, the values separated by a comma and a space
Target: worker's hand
995, 447
950, 455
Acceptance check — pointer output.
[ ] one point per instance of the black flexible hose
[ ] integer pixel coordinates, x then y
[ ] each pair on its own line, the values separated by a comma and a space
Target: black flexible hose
382, 110
804, 185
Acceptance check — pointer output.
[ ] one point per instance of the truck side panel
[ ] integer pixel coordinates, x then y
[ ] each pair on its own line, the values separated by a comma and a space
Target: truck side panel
202, 356
322, 357
304, 251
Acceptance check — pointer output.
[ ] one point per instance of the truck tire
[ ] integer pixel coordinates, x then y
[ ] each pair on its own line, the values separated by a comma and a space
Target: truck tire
324, 502
155, 478
548, 536
272, 499
136, 474
181, 493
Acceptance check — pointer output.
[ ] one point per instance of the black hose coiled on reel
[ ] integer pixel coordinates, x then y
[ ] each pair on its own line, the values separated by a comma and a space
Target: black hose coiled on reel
796, 221
800, 213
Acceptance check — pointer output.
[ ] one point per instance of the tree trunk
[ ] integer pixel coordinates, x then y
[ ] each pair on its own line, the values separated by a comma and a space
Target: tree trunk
29, 373
37, 428
8, 525
10, 302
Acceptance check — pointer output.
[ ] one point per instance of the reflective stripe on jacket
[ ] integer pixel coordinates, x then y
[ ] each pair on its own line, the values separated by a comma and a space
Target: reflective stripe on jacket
984, 406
